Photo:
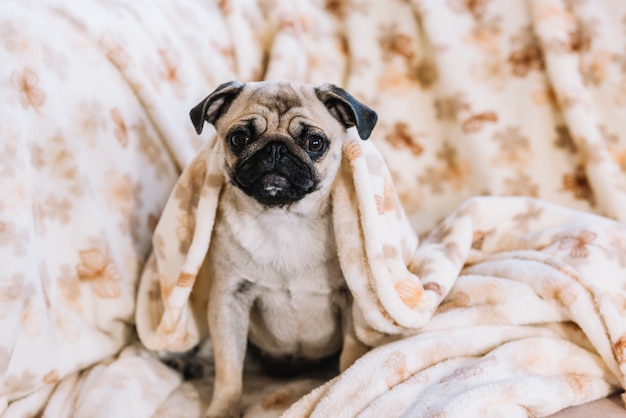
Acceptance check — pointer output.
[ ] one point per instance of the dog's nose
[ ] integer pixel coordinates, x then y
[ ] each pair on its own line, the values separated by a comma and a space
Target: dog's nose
276, 151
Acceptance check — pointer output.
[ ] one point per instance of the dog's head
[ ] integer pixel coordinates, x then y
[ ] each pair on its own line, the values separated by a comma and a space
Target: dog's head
282, 140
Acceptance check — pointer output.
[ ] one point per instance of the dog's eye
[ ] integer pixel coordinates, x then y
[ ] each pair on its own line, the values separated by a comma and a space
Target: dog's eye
314, 144
238, 139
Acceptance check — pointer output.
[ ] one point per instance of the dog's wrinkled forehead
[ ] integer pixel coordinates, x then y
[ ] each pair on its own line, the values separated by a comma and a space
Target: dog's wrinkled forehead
277, 106
281, 109
277, 97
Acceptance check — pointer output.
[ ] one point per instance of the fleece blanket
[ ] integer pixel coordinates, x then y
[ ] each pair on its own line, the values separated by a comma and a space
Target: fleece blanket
510, 304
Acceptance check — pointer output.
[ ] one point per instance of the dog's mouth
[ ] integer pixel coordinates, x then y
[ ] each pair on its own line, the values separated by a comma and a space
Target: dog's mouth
274, 189
275, 181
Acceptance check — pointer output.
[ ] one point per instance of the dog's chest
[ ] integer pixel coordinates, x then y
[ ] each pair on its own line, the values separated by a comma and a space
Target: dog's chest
276, 241
288, 264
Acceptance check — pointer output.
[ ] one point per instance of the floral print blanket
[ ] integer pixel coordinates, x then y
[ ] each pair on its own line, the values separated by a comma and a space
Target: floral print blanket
501, 126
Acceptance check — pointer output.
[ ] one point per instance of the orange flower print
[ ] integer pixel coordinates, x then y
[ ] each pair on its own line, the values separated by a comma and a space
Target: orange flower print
477, 121
423, 267
185, 279
352, 151
226, 6
426, 73
90, 120
185, 230
69, 288
394, 43
478, 240
391, 251
577, 244
527, 54
55, 209
14, 194
433, 287
380, 204
189, 186
340, 8
473, 370
30, 321
544, 96
30, 95
149, 147
578, 184
619, 94
115, 53
410, 292
396, 363
119, 191
11, 289
96, 268
597, 69
525, 60
23, 383
452, 171
120, 131
11, 236
476, 8
390, 196
289, 25
401, 137
456, 170
484, 36
434, 178
51, 377
533, 212
514, 148
56, 155
563, 139
521, 184
449, 108
617, 248
620, 349
170, 73
226, 52
580, 39
13, 38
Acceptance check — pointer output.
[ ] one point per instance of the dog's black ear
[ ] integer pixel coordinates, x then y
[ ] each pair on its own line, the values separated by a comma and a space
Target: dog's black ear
214, 106
347, 110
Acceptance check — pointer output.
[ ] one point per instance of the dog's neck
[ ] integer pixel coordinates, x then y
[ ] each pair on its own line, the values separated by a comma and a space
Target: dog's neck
273, 236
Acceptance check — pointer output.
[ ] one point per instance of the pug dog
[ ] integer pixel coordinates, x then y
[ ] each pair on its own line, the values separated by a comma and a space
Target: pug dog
275, 278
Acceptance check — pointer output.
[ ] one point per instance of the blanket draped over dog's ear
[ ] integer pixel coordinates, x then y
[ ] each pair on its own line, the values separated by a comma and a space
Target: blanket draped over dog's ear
375, 242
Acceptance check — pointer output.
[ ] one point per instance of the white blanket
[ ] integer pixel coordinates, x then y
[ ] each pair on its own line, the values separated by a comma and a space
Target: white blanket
514, 306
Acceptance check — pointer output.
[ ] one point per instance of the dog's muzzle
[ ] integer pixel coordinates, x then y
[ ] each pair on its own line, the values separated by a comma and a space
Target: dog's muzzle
274, 175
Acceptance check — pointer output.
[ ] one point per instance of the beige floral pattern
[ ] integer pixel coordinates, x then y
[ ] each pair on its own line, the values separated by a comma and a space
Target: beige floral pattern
475, 98
97, 269
26, 83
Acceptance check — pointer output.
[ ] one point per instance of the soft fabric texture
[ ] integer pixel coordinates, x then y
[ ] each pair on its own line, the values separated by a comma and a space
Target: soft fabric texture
505, 306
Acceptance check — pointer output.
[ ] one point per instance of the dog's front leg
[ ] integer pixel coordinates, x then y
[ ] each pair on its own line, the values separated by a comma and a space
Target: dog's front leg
228, 318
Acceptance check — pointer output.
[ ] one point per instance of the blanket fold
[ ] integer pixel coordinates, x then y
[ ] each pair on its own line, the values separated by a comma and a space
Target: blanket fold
530, 326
